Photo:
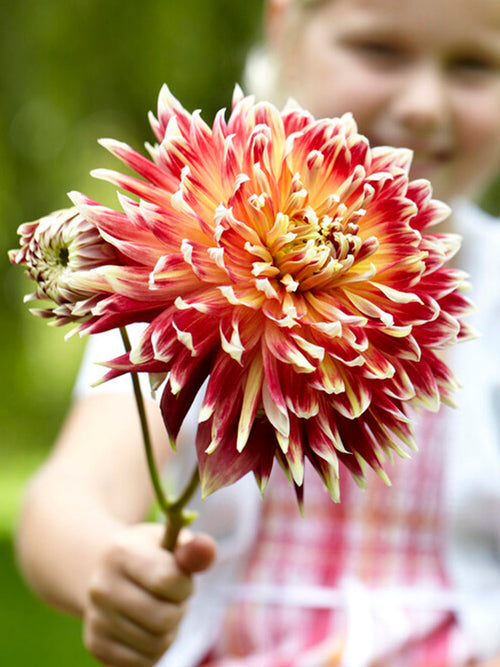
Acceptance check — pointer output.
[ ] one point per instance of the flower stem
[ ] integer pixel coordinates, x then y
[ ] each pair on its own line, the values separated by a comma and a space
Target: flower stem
153, 471
178, 516
175, 512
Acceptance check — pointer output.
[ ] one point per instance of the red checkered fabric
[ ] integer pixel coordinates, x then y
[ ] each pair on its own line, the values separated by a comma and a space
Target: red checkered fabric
357, 583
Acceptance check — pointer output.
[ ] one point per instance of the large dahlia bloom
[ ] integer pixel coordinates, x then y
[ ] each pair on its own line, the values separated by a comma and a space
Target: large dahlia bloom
292, 265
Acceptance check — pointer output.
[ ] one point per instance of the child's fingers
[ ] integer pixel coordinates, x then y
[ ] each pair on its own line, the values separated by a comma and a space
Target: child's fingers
139, 557
117, 628
122, 596
136, 595
113, 653
159, 575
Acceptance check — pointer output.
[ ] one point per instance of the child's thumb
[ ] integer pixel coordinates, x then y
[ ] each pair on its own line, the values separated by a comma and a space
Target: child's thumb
194, 553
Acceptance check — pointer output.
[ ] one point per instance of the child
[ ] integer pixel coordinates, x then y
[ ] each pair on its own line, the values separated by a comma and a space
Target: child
406, 576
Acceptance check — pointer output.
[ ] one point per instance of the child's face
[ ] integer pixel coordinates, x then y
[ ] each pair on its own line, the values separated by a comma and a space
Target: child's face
423, 74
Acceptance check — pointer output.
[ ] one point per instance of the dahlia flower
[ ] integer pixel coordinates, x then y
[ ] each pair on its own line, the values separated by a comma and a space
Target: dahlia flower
62, 253
292, 267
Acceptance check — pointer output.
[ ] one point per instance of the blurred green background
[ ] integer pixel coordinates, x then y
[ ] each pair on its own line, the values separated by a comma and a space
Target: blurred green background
73, 71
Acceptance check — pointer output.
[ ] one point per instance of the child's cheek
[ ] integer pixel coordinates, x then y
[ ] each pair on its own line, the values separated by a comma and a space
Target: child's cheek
477, 125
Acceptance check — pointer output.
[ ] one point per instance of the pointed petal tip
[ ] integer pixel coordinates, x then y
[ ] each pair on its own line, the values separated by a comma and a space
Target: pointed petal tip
360, 481
78, 198
412, 445
205, 492
205, 413
74, 332
214, 443
261, 483
238, 94
383, 476
113, 145
283, 440
104, 141
165, 90
242, 440
299, 494
301, 508
101, 173
167, 102
207, 486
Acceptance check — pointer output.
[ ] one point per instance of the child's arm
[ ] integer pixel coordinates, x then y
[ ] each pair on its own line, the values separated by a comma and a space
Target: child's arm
80, 545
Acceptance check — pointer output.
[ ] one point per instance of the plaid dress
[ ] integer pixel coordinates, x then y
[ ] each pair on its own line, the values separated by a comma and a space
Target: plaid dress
359, 583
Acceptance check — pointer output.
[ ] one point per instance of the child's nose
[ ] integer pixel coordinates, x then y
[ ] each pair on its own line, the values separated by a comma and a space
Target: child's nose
420, 102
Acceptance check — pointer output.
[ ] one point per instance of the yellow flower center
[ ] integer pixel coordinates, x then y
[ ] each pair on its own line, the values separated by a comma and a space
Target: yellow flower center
306, 248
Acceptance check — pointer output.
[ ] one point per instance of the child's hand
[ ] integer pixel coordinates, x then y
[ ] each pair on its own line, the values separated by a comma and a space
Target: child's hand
137, 595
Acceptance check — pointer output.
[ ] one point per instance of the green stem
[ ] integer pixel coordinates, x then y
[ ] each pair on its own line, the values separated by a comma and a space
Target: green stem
153, 471
178, 517
175, 512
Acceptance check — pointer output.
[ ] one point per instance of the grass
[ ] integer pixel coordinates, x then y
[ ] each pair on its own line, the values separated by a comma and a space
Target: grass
37, 369
30, 633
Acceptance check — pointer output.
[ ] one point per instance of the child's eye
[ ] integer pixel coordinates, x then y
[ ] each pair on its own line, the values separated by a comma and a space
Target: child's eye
472, 67
378, 52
